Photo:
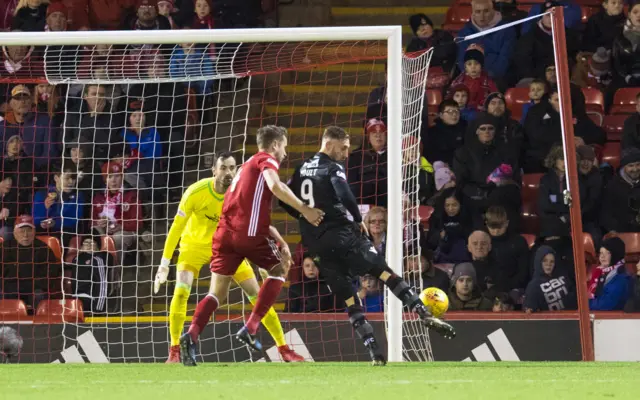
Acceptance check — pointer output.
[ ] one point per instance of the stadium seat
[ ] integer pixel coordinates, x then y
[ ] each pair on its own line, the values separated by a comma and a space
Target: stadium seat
594, 102
425, 213
529, 191
437, 78
458, 14
529, 220
611, 154
68, 309
109, 246
433, 99
1, 241
515, 99
624, 101
452, 28
54, 245
12, 309
72, 249
613, 125
531, 239
591, 257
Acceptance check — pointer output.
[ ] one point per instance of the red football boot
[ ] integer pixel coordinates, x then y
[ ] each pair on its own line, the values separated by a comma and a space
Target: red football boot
289, 355
174, 355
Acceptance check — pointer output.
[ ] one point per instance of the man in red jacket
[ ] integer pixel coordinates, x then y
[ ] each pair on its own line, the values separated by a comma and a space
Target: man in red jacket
116, 211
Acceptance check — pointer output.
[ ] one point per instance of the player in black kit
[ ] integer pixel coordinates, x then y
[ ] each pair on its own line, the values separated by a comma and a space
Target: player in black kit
341, 245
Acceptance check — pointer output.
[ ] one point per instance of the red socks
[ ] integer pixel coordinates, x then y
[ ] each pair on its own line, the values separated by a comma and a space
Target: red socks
266, 297
204, 310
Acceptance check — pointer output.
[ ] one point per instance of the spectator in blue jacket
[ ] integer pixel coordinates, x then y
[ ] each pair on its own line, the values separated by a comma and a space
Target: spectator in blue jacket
191, 60
142, 141
610, 285
572, 15
498, 46
40, 139
60, 207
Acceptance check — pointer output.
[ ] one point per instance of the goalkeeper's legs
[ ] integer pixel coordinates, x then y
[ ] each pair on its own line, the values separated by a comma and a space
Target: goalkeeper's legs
178, 308
246, 279
205, 308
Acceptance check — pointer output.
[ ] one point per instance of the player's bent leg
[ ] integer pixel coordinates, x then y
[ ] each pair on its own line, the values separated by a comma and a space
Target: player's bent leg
205, 308
271, 321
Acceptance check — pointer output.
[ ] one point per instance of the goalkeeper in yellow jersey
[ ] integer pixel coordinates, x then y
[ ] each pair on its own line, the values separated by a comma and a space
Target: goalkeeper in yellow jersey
194, 225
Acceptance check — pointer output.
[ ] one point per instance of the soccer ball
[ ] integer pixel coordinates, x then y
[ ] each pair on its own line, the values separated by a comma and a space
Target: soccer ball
436, 301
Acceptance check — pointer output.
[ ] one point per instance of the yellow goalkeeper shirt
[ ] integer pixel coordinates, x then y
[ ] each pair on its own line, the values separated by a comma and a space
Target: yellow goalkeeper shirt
197, 218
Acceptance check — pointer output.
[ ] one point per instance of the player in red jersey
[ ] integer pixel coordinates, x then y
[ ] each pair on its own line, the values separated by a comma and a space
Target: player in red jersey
245, 231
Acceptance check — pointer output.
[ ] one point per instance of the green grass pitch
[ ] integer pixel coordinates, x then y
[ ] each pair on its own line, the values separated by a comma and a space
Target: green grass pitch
311, 381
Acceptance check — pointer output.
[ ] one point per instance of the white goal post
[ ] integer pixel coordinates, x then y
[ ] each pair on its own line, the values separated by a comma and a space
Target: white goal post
393, 37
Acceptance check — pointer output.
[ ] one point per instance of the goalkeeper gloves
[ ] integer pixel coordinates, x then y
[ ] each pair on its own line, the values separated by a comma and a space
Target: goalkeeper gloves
161, 275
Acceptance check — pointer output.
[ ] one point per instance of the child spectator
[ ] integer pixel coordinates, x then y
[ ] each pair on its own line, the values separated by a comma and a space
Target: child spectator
116, 212
203, 18
60, 208
444, 179
166, 8
550, 289
426, 37
30, 16
311, 294
460, 94
464, 294
474, 78
449, 228
93, 272
376, 222
447, 135
599, 73
610, 286
190, 60
537, 90
603, 27
631, 129
370, 294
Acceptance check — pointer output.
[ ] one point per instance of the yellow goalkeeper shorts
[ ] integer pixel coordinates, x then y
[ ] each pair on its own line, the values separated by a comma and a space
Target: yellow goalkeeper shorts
194, 260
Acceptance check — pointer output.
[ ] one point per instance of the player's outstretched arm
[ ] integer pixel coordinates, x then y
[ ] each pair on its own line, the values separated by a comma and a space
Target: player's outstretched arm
170, 243
283, 193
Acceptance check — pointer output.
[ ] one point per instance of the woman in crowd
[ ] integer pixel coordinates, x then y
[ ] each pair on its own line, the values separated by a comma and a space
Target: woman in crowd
376, 222
449, 228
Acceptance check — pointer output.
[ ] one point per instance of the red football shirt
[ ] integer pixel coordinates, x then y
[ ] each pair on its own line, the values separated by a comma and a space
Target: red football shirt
247, 204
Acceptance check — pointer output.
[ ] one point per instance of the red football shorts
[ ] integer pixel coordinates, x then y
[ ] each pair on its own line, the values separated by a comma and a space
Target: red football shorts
230, 248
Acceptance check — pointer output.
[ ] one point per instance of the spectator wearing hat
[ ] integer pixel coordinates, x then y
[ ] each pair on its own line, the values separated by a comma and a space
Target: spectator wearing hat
449, 227
60, 208
572, 14
551, 206
603, 27
476, 161
30, 16
116, 211
444, 179
426, 37
551, 289
447, 134
60, 61
93, 276
591, 187
464, 293
534, 50
56, 17
625, 55
598, 72
497, 46
146, 17
40, 138
367, 166
30, 270
508, 129
610, 285
21, 61
478, 82
166, 8
460, 94
621, 199
631, 129
509, 253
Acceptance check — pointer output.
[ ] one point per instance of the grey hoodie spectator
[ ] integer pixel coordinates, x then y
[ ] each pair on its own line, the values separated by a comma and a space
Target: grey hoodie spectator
464, 294
550, 289
621, 201
426, 37
40, 138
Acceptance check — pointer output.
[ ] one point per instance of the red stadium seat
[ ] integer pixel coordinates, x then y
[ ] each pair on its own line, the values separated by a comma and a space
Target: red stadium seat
433, 99
70, 309
515, 99
594, 102
531, 239
624, 101
588, 11
72, 249
437, 78
591, 257
611, 154
458, 14
12, 309
613, 125
109, 246
452, 28
529, 192
530, 222
54, 245
1, 241
425, 213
